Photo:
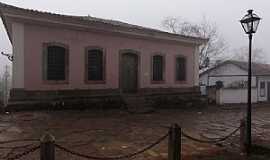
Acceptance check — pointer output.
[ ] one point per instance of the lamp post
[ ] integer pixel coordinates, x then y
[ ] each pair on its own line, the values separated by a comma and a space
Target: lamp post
250, 24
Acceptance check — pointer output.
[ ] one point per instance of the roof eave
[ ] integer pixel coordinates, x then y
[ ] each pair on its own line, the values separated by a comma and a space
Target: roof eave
25, 14
5, 25
177, 38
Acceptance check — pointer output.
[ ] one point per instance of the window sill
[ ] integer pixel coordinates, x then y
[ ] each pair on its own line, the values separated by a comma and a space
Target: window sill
181, 82
95, 82
157, 82
55, 82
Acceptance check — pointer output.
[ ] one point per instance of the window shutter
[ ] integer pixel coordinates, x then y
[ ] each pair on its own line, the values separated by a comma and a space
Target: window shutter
95, 65
180, 69
56, 63
157, 68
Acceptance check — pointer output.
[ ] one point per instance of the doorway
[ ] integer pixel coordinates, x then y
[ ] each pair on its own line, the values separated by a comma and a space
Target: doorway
129, 72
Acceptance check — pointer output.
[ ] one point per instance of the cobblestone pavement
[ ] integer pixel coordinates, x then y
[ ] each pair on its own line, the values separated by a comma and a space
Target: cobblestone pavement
115, 132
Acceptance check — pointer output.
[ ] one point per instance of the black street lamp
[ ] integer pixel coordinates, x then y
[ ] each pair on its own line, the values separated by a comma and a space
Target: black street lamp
250, 24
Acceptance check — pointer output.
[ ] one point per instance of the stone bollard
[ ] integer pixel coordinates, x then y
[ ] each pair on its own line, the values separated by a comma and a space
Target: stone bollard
243, 136
174, 146
47, 148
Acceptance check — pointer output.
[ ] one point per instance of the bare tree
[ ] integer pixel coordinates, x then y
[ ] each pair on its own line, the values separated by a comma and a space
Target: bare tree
241, 54
211, 51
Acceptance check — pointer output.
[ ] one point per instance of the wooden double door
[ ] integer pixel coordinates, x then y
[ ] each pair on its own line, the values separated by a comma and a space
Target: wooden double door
129, 72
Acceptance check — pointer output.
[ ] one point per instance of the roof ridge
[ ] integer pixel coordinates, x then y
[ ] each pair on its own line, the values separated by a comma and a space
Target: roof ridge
257, 68
126, 23
100, 20
260, 63
65, 15
33, 10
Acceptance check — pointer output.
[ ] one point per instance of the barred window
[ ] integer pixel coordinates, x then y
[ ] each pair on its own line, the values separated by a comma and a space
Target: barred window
95, 65
180, 69
262, 89
56, 63
158, 67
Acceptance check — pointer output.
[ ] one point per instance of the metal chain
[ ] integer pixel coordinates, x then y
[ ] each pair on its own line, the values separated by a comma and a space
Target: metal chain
211, 141
18, 156
116, 157
19, 140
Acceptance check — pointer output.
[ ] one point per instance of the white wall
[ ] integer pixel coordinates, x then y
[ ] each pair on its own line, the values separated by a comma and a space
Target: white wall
228, 69
239, 95
230, 79
236, 96
18, 53
265, 79
196, 66
203, 79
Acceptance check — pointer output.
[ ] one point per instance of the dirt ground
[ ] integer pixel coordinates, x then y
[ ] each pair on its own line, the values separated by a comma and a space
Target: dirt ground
116, 132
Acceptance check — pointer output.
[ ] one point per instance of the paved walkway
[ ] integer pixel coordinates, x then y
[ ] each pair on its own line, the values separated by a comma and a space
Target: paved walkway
116, 132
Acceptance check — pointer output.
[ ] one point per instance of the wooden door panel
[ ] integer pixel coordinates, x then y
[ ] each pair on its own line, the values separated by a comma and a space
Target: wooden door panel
129, 72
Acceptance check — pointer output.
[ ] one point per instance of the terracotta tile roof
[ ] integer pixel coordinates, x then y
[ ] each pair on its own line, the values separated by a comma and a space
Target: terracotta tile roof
256, 68
115, 23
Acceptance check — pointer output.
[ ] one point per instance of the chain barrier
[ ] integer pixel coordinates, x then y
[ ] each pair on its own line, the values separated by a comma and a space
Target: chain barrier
116, 157
19, 140
16, 147
217, 140
130, 155
18, 156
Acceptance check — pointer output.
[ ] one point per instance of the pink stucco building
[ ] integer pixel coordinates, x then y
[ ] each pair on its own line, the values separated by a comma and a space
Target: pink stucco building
80, 57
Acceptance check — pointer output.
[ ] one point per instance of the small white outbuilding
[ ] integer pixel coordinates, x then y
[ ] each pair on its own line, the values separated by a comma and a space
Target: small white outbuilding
233, 75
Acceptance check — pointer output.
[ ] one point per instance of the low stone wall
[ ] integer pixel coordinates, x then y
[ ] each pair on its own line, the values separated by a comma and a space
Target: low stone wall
177, 100
103, 99
102, 102
25, 95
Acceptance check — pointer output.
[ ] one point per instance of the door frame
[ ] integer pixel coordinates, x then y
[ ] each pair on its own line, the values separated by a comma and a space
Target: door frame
138, 54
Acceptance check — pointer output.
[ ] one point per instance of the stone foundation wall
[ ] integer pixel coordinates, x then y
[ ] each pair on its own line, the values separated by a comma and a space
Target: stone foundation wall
105, 99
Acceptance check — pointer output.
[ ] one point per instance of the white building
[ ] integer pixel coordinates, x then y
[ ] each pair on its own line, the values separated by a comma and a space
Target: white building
233, 74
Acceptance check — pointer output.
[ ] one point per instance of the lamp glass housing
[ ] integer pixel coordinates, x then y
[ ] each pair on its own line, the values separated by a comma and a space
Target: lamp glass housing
250, 22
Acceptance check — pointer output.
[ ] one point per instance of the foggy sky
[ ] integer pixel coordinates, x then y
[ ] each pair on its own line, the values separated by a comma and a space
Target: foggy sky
225, 13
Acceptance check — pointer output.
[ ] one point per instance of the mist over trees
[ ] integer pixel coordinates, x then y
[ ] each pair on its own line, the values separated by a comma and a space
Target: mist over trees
241, 54
210, 52
217, 49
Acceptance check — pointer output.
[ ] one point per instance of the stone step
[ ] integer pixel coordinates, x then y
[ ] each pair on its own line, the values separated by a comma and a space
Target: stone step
138, 104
